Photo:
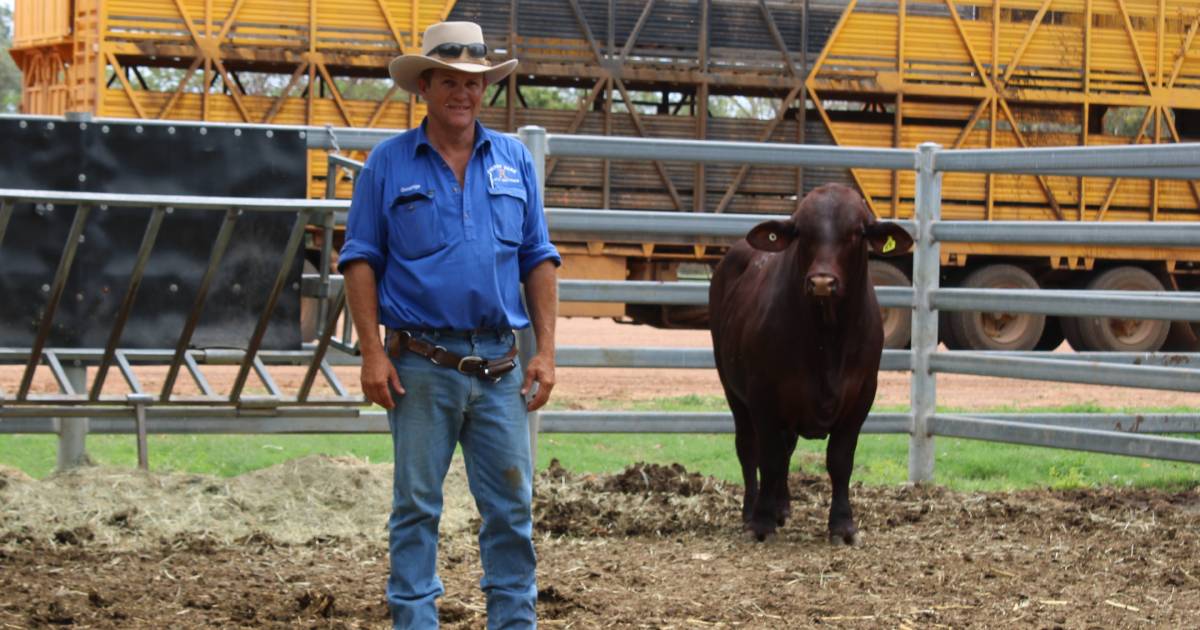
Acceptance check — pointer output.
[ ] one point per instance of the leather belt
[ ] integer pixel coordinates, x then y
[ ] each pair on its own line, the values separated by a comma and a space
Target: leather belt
399, 341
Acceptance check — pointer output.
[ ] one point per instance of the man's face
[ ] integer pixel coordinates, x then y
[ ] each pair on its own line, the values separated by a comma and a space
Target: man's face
453, 97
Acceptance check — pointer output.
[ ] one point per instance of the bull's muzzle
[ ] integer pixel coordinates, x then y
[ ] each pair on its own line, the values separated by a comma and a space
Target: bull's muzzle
821, 285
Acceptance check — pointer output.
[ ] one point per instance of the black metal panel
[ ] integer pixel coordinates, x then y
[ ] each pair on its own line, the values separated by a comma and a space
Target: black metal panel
183, 159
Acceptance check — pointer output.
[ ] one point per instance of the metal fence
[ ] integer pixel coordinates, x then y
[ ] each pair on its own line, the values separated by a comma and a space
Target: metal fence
80, 407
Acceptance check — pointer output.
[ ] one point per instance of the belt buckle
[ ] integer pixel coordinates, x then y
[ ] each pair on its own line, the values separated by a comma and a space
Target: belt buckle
479, 361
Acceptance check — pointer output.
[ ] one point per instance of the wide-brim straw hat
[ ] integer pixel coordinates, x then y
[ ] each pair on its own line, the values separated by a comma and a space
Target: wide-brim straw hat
405, 69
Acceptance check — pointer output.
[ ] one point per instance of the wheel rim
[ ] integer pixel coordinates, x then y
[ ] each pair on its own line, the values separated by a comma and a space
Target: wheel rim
1005, 328
1124, 333
1130, 332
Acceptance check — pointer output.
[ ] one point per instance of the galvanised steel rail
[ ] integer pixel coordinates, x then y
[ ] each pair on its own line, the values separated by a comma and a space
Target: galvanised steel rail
1076, 439
925, 298
103, 201
1171, 234
715, 151
1167, 162
1128, 304
275, 413
228, 419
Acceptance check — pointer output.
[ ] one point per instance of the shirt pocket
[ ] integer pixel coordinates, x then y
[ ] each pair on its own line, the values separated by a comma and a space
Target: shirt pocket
415, 226
508, 214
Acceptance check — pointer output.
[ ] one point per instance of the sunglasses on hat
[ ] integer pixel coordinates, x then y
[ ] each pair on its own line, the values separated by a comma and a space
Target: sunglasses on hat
451, 50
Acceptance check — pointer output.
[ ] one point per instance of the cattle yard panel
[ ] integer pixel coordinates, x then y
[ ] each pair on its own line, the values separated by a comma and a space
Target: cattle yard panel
1180, 162
236, 412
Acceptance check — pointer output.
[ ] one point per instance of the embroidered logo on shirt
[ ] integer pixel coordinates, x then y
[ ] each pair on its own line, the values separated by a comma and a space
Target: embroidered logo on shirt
502, 174
410, 188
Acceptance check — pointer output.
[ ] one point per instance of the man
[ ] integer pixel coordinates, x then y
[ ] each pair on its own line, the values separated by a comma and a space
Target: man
445, 223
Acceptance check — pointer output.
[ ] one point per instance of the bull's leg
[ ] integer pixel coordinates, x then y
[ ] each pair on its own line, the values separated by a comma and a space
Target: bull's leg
784, 500
773, 461
839, 460
747, 452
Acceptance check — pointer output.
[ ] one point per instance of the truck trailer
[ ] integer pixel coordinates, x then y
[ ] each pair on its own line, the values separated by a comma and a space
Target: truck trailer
962, 73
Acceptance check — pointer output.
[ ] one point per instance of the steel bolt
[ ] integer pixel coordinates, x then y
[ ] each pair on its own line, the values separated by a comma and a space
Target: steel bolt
204, 131
171, 130
104, 129
170, 210
237, 132
138, 129
174, 288
270, 134
45, 288
82, 178
50, 125
78, 297
24, 124
237, 288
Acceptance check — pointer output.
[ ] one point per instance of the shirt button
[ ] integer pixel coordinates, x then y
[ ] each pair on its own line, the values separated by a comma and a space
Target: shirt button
455, 189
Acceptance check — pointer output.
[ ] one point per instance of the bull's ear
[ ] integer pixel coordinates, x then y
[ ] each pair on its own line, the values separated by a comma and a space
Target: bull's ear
772, 236
888, 239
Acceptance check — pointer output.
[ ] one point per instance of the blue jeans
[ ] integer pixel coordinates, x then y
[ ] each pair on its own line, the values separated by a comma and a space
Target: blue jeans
442, 408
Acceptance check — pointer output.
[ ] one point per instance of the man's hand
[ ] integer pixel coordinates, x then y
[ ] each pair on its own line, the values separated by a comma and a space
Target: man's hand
378, 374
541, 370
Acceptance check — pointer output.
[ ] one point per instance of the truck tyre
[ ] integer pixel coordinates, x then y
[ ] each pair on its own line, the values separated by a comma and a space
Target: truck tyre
897, 322
997, 331
1184, 337
1111, 334
946, 334
1052, 334
1071, 330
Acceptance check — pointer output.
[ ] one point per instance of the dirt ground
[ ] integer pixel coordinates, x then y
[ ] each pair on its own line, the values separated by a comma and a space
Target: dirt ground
302, 545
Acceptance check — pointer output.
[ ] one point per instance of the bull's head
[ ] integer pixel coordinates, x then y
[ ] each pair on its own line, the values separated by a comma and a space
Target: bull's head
830, 233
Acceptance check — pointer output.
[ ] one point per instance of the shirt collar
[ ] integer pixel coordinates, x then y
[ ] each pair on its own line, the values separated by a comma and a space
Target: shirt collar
422, 143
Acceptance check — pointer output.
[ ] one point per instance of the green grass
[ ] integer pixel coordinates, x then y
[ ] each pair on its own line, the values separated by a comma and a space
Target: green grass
881, 459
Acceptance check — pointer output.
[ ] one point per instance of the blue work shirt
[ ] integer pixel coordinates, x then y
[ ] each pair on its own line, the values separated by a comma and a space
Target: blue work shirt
445, 256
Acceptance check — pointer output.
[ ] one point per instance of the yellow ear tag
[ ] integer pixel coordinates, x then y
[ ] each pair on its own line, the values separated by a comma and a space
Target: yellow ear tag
889, 245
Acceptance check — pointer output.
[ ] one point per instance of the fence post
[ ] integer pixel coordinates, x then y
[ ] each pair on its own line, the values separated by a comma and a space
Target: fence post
327, 228
534, 139
73, 430
926, 268
139, 402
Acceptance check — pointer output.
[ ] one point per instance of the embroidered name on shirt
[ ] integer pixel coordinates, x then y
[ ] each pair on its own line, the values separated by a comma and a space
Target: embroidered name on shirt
410, 188
502, 174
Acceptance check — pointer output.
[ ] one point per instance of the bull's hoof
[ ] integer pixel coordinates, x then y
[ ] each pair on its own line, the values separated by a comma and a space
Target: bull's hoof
760, 532
846, 537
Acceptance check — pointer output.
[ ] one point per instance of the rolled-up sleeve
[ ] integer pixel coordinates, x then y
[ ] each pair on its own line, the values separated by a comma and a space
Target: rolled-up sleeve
366, 234
536, 247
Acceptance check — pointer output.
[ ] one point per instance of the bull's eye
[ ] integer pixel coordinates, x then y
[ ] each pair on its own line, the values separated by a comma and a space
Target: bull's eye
772, 237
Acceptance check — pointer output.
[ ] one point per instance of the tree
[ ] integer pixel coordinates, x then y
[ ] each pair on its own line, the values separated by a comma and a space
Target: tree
10, 76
